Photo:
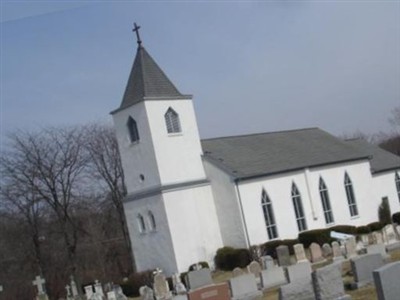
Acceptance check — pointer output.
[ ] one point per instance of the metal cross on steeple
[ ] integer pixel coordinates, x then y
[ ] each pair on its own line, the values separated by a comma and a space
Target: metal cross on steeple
136, 30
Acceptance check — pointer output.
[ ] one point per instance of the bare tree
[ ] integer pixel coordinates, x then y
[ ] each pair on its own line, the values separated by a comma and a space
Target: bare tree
105, 165
49, 166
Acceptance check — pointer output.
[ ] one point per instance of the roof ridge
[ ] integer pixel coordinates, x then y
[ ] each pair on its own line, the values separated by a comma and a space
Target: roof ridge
261, 133
140, 48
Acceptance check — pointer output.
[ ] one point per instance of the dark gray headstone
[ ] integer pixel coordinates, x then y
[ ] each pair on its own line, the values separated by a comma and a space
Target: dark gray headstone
328, 283
244, 287
199, 278
363, 266
283, 255
299, 271
273, 277
387, 282
298, 290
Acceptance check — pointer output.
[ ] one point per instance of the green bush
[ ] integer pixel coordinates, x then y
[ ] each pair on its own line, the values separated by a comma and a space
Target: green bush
396, 217
269, 248
363, 230
348, 229
375, 226
135, 281
384, 213
228, 258
319, 236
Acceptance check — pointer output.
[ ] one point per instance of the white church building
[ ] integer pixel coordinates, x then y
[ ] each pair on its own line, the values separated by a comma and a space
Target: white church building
188, 197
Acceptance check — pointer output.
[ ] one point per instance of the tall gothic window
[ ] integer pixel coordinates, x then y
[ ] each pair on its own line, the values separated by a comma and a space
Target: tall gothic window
172, 121
298, 209
351, 200
133, 130
397, 180
141, 223
152, 221
269, 216
326, 204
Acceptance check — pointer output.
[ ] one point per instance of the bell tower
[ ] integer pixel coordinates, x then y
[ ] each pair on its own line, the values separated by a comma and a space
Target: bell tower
161, 156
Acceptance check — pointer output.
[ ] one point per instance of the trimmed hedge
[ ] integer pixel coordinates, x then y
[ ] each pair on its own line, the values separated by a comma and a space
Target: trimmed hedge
319, 236
228, 258
269, 248
374, 226
135, 281
396, 218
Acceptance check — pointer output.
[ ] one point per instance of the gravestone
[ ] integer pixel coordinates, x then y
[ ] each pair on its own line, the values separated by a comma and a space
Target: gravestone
244, 287
363, 266
299, 271
390, 237
298, 290
336, 251
378, 248
360, 248
365, 239
386, 280
328, 283
146, 293
74, 289
283, 255
88, 291
350, 246
237, 272
179, 287
120, 294
299, 253
199, 278
326, 250
111, 295
316, 254
68, 290
98, 289
161, 288
39, 283
211, 292
267, 262
377, 237
255, 269
273, 277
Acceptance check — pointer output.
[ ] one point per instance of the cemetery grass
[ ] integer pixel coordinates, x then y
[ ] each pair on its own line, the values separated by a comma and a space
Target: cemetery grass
365, 293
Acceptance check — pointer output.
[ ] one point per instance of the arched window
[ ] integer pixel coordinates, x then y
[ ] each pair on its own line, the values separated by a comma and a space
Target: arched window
132, 129
298, 209
152, 221
172, 121
326, 204
269, 216
397, 180
141, 223
351, 199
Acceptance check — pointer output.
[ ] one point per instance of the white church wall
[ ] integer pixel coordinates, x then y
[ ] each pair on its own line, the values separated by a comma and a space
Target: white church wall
139, 157
227, 206
334, 176
278, 188
178, 154
194, 225
152, 248
385, 186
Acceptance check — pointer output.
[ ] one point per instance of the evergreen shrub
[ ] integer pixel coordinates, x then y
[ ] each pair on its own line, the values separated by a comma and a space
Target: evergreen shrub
396, 218
228, 258
135, 281
374, 226
269, 248
319, 236
203, 264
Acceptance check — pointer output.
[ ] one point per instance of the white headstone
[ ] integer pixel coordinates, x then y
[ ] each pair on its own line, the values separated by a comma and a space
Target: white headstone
111, 295
74, 289
299, 253
39, 282
98, 288
88, 291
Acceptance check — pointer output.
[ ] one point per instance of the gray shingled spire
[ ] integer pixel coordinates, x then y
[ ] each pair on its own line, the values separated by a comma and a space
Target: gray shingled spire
148, 82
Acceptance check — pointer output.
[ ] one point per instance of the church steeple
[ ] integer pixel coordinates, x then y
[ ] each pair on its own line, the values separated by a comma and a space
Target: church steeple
147, 81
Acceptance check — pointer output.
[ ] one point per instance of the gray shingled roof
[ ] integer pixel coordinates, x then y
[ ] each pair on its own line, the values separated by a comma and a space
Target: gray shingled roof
382, 160
264, 154
148, 82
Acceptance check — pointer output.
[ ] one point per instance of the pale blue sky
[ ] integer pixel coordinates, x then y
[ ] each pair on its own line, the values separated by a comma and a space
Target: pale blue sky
251, 66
